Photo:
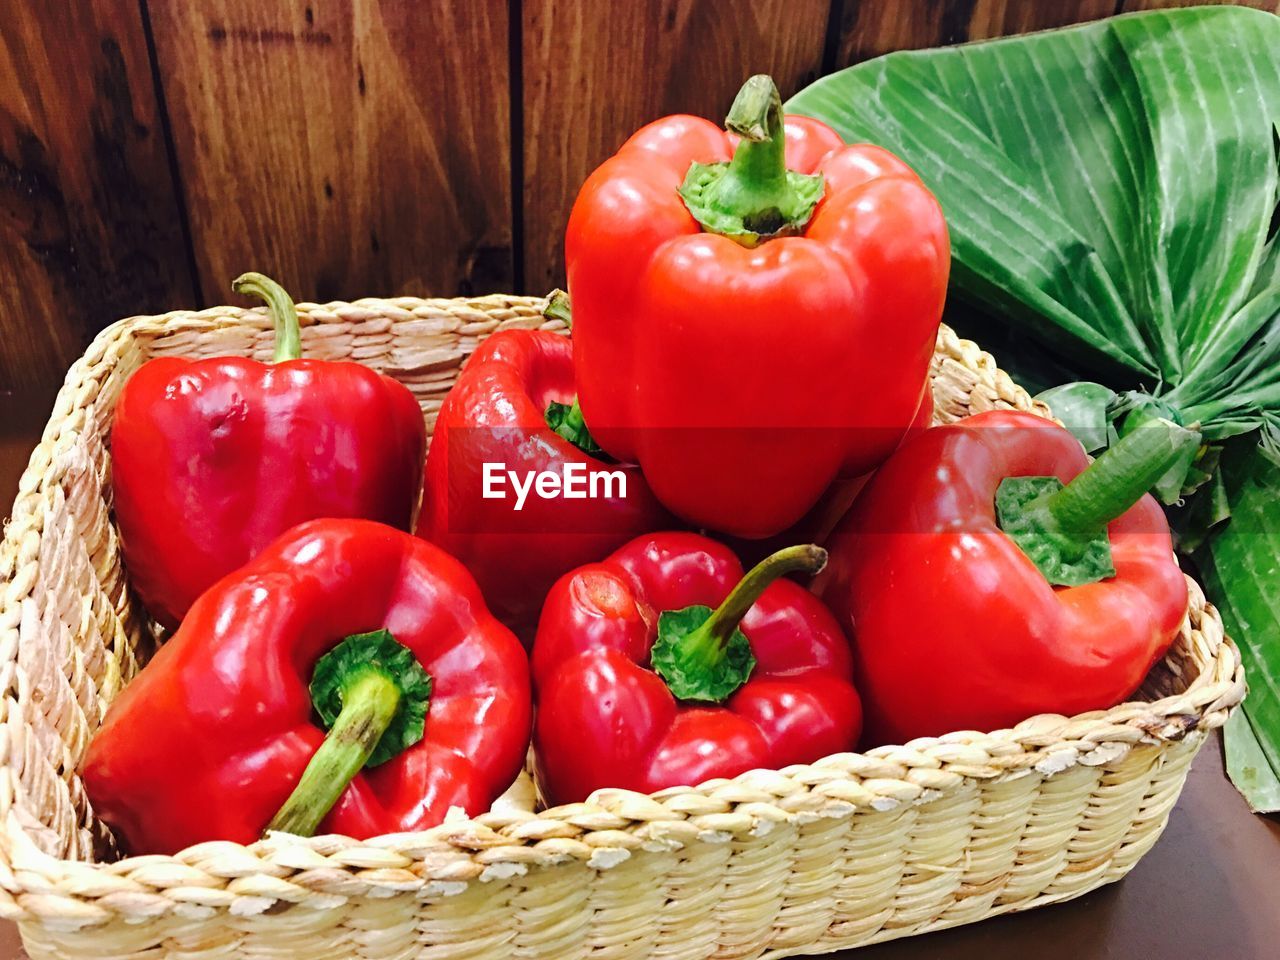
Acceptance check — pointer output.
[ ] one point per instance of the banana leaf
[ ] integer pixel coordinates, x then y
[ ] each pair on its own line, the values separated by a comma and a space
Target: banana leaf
1240, 567
1111, 191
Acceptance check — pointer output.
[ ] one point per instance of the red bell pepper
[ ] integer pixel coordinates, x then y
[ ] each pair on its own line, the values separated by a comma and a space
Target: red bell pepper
980, 590
820, 522
750, 327
641, 685
498, 413
213, 459
220, 737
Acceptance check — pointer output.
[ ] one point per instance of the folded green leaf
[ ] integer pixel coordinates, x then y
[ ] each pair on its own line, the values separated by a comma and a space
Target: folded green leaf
1082, 408
1206, 511
1110, 189
1240, 565
1248, 767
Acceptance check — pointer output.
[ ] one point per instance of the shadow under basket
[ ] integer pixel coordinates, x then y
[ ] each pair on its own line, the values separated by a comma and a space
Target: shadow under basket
853, 849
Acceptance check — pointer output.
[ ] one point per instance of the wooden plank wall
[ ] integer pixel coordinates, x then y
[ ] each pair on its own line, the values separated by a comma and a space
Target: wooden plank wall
152, 149
90, 222
343, 148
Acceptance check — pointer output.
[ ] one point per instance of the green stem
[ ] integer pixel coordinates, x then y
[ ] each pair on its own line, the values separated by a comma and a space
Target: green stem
283, 312
1120, 477
372, 694
1063, 529
754, 196
700, 652
756, 185
804, 558
558, 308
369, 703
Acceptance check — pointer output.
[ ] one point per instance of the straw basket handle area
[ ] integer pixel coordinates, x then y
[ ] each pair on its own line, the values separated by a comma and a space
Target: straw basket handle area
854, 849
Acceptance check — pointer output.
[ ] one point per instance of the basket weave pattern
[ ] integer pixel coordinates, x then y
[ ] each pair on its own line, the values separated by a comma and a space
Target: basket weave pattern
853, 849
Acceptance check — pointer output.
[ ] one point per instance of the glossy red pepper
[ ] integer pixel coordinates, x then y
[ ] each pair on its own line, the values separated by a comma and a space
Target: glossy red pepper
820, 522
641, 685
213, 459
746, 329
220, 737
980, 591
497, 413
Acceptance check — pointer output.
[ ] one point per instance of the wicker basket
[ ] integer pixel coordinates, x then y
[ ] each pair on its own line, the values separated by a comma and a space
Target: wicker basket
854, 849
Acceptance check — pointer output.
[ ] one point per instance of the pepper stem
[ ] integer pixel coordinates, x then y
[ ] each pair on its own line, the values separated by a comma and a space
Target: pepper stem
367, 709
756, 181
1120, 477
283, 313
372, 694
1063, 529
559, 308
702, 653
753, 197
805, 558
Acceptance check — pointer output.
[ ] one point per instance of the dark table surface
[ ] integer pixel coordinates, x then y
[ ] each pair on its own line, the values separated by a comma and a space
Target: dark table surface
1209, 889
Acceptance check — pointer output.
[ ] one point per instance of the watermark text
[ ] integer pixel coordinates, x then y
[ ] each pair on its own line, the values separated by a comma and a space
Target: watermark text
574, 481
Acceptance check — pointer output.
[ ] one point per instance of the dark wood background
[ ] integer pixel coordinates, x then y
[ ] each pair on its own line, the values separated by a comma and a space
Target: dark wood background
150, 150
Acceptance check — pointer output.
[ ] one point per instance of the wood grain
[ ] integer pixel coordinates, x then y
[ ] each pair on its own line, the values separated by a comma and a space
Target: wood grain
364, 146
595, 72
869, 28
345, 148
1128, 6
89, 226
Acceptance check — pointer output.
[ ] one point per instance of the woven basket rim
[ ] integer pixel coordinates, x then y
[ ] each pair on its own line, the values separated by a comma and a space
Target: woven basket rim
613, 822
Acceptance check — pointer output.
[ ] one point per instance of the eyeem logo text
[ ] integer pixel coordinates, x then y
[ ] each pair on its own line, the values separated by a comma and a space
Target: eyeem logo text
573, 482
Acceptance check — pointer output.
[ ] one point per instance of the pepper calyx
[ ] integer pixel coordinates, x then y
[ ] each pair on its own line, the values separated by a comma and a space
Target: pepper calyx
372, 695
1065, 559
337, 672
1062, 529
708, 672
565, 420
702, 653
753, 197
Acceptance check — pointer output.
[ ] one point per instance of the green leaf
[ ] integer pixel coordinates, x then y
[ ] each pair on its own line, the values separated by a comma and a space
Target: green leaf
338, 670
695, 665
1248, 766
566, 420
1241, 573
1206, 511
1109, 190
1082, 408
